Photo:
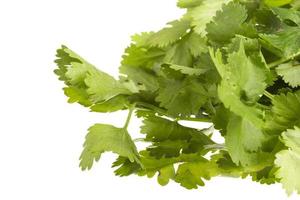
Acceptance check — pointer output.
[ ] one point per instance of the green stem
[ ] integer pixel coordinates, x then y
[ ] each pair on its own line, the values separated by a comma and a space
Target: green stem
202, 119
215, 147
269, 95
163, 112
282, 60
140, 140
131, 109
277, 62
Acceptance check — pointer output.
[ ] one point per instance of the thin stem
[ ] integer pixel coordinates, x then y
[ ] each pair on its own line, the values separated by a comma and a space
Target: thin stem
269, 95
131, 109
277, 62
202, 119
282, 60
215, 147
163, 112
140, 140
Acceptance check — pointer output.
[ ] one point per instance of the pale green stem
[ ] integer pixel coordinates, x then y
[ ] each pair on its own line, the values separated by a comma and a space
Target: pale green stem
163, 112
282, 60
131, 109
215, 147
269, 95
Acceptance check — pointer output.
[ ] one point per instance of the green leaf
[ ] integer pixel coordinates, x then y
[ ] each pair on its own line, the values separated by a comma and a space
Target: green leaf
105, 89
241, 80
63, 61
188, 70
291, 138
191, 175
242, 139
204, 13
159, 129
285, 43
227, 22
126, 167
136, 56
103, 137
165, 174
265, 176
196, 44
141, 76
290, 73
288, 161
221, 119
170, 34
287, 14
179, 54
169, 148
284, 113
140, 40
86, 84
266, 21
117, 103
77, 95
182, 97
169, 138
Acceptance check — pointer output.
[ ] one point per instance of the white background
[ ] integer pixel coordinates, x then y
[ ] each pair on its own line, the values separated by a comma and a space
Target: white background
41, 135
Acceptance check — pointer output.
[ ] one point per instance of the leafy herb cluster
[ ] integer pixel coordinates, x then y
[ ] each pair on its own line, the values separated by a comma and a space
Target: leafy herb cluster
231, 63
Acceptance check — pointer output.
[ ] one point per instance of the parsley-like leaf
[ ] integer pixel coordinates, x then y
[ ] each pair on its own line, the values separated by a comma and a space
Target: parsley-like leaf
288, 161
101, 138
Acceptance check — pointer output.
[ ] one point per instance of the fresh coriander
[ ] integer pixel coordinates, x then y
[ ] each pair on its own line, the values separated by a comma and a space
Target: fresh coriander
231, 63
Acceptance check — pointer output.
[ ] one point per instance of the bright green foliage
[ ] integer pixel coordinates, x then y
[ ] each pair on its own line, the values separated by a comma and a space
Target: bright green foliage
165, 174
85, 83
242, 139
285, 113
188, 70
174, 93
170, 34
231, 64
285, 43
288, 14
288, 161
203, 14
190, 175
242, 83
290, 73
220, 29
102, 137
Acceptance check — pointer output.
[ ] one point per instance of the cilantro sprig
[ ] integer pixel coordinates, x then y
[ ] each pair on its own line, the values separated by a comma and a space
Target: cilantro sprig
231, 63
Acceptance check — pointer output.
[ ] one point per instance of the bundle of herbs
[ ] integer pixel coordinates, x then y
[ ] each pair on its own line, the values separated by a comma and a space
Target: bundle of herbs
231, 63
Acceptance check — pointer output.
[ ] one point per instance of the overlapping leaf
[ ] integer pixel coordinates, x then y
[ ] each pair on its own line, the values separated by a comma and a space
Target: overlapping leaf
241, 79
203, 14
182, 97
227, 22
285, 113
285, 43
290, 73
